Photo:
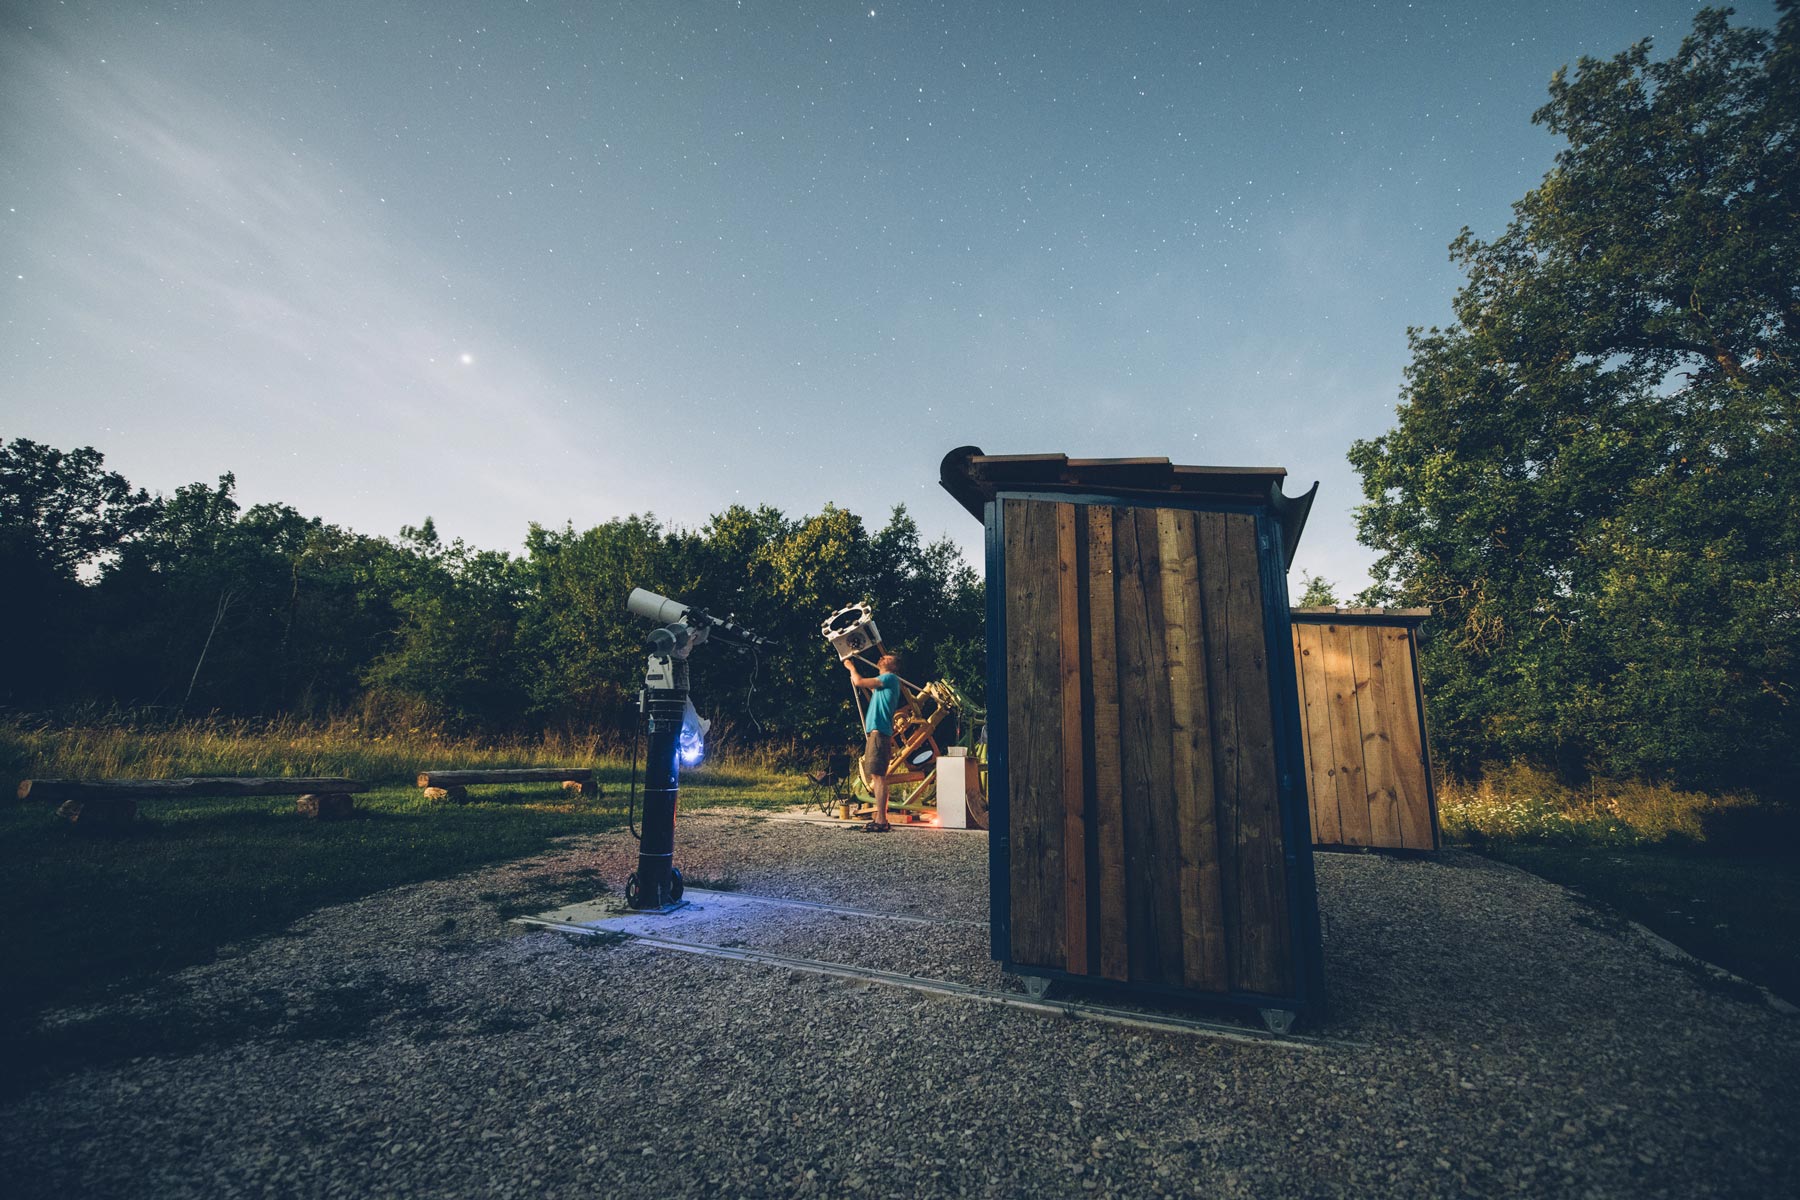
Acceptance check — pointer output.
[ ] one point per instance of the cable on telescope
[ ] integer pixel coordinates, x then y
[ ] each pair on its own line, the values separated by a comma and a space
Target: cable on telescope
637, 734
750, 691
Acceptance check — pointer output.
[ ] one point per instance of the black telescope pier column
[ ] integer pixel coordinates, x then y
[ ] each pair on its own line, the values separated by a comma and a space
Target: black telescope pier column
658, 883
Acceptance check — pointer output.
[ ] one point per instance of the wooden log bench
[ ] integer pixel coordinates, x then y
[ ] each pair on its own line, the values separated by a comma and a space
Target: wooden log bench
454, 785
109, 803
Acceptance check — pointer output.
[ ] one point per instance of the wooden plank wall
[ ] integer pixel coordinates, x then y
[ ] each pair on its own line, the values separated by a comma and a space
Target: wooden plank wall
1368, 780
1146, 841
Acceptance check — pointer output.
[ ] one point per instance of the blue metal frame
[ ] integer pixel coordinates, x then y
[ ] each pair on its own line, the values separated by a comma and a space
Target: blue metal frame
1296, 816
1302, 896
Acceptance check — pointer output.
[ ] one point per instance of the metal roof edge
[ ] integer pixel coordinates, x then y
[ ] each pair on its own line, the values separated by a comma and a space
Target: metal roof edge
973, 478
953, 476
1292, 510
1332, 614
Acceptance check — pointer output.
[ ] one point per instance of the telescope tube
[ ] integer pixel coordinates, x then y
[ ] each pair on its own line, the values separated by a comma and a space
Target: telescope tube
652, 607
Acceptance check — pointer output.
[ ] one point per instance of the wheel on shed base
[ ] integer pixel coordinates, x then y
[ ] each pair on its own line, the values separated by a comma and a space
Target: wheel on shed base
634, 891
1277, 1020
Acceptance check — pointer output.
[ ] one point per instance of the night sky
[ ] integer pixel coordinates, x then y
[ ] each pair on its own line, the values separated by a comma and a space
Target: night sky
560, 262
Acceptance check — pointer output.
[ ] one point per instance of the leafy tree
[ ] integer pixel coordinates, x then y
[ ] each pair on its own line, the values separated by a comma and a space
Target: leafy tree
1594, 477
62, 508
455, 657
778, 576
61, 515
335, 619
583, 651
1316, 591
192, 603
931, 605
197, 613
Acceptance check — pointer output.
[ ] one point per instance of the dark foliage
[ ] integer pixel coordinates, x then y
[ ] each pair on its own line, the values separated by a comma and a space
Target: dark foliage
1594, 478
187, 604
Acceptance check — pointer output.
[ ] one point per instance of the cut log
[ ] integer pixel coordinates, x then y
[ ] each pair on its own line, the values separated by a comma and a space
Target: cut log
326, 806
576, 787
99, 812
518, 775
200, 785
455, 795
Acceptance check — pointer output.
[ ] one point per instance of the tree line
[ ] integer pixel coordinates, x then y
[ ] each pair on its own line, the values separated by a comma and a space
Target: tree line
191, 604
1595, 476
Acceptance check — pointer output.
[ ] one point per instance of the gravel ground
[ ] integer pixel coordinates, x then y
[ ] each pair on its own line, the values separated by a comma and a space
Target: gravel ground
1505, 1038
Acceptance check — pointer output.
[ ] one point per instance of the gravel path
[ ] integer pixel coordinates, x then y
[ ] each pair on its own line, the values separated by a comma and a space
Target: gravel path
1507, 1039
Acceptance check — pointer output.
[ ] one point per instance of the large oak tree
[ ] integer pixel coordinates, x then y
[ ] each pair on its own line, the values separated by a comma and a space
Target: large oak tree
1594, 477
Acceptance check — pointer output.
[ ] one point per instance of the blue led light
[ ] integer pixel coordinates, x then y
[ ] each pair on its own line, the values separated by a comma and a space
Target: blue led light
691, 747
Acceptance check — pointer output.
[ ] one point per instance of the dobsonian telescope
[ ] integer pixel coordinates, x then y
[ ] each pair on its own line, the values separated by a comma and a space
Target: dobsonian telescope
676, 735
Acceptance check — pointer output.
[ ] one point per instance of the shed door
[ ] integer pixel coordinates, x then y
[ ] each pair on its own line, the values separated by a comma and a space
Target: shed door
1144, 824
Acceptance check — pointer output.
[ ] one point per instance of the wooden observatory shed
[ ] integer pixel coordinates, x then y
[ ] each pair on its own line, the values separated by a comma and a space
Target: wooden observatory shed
1368, 767
1147, 799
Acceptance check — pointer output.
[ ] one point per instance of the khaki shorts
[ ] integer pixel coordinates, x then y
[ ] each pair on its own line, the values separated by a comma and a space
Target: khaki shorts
878, 748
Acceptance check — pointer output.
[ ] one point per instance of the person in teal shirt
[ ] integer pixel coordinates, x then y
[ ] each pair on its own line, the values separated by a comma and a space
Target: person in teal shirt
878, 729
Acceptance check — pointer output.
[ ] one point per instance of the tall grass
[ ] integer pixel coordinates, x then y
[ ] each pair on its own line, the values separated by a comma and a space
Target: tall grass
119, 747
282, 747
1509, 803
1520, 803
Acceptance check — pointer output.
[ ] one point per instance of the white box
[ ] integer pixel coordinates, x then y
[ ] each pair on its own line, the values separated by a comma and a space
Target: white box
953, 782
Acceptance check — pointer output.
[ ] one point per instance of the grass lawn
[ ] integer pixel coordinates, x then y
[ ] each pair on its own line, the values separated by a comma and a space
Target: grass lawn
1740, 912
82, 912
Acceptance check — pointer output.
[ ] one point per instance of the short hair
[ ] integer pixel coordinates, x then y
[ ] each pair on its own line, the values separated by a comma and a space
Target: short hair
899, 659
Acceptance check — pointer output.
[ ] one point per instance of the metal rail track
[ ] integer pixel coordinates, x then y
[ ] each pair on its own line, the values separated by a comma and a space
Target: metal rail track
1078, 1010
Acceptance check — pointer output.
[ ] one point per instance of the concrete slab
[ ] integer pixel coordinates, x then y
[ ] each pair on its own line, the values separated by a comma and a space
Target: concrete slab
704, 908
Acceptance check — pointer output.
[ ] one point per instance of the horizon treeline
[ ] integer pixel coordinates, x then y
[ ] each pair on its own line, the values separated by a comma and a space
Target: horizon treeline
190, 604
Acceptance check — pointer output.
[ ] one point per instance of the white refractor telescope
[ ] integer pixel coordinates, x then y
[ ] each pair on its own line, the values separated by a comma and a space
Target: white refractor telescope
675, 731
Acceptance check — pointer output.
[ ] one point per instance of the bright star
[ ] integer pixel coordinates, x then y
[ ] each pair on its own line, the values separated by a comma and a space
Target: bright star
468, 360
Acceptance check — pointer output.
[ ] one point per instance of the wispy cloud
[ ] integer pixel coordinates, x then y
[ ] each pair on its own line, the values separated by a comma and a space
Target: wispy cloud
213, 271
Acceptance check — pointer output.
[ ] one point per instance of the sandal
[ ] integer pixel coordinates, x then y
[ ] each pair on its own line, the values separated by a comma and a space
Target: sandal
874, 827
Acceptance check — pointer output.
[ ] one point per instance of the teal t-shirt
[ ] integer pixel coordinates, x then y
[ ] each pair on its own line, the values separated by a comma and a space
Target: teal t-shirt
882, 703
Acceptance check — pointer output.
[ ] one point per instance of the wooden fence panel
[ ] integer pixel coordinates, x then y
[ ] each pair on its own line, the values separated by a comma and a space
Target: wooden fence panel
1412, 771
1344, 750
1109, 818
1152, 877
1315, 720
1221, 702
1368, 774
1196, 814
1262, 960
1034, 732
1074, 748
1144, 817
1377, 753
